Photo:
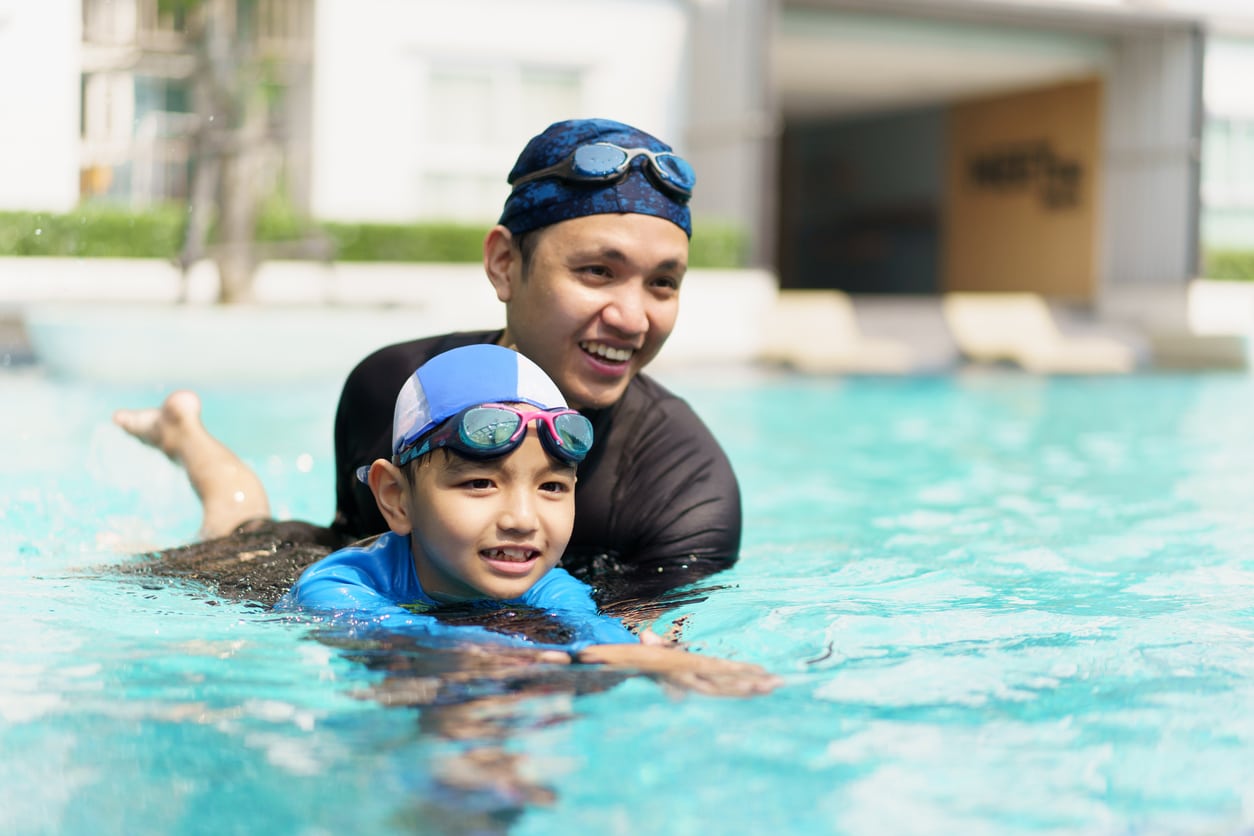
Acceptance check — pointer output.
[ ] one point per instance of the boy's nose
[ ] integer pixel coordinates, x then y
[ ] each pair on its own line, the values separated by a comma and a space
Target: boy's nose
519, 513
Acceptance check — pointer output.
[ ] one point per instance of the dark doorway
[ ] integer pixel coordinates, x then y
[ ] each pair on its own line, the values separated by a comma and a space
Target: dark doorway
860, 202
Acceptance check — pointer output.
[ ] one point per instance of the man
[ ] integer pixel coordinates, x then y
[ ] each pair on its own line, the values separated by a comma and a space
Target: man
588, 257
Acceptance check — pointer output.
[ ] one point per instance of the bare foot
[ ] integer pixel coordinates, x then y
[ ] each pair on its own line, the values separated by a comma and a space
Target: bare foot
164, 428
230, 492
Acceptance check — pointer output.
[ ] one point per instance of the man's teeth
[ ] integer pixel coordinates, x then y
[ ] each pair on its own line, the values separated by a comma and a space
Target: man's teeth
618, 355
514, 555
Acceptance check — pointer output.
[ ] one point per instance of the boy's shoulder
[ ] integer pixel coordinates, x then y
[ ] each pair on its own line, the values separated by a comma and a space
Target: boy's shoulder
369, 562
558, 589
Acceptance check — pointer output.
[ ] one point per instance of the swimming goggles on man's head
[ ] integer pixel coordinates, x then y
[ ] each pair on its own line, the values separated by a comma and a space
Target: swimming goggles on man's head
602, 162
490, 430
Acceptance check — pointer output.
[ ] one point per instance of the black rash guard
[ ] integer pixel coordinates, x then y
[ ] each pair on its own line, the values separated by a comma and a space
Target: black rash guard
656, 506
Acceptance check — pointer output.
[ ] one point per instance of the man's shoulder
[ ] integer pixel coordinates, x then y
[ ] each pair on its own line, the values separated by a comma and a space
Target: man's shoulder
650, 401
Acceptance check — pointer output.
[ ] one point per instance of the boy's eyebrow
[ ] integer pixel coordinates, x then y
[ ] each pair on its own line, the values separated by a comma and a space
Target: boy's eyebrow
461, 464
456, 464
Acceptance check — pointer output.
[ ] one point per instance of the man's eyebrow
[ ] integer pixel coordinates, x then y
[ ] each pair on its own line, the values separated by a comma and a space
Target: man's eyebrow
615, 254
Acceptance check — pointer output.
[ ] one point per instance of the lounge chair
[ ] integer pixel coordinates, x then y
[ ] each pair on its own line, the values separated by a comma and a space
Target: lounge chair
817, 331
1020, 328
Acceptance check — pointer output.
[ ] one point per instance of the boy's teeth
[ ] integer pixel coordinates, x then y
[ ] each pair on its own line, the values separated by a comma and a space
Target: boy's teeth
618, 355
517, 555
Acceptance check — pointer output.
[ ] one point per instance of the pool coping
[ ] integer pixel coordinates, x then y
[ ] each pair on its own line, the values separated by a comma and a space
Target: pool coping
98, 307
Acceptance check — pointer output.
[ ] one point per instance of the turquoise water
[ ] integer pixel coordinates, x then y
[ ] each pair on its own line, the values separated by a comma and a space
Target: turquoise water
1000, 604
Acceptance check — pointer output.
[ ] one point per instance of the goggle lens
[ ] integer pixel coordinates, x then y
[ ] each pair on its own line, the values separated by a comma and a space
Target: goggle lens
494, 430
487, 429
599, 160
603, 161
575, 433
676, 170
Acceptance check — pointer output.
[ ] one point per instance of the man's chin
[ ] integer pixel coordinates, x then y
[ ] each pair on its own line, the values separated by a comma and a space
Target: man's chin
597, 397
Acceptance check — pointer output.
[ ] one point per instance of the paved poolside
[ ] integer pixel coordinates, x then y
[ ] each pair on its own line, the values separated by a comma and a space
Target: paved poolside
368, 305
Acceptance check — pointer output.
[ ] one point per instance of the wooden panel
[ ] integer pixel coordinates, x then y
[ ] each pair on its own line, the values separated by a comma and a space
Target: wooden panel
1021, 208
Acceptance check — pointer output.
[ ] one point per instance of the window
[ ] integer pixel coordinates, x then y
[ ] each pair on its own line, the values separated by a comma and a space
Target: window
1228, 161
476, 119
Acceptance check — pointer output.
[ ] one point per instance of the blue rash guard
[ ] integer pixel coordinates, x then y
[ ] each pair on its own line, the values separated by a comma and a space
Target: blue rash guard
375, 586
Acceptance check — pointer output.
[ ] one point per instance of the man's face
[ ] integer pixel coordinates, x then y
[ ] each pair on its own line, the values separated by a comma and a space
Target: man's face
490, 529
597, 301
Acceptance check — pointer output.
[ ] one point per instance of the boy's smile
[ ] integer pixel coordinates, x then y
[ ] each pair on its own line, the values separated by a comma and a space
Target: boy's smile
490, 528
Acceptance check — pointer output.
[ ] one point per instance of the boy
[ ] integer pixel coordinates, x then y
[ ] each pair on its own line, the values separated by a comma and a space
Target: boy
479, 501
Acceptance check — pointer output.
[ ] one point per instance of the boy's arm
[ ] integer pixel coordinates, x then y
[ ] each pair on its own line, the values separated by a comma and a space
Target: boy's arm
349, 598
602, 640
708, 675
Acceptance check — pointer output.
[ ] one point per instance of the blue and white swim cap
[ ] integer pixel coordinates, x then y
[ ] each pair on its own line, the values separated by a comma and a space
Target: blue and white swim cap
464, 377
540, 203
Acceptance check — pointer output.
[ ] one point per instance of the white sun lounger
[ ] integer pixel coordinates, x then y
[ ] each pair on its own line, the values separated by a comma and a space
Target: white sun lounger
1020, 328
817, 331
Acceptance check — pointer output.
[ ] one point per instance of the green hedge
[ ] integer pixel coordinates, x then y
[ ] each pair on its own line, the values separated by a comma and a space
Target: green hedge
95, 232
1229, 264
157, 233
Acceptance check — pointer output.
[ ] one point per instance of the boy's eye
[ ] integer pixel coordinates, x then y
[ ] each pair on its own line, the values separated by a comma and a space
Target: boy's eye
554, 487
477, 484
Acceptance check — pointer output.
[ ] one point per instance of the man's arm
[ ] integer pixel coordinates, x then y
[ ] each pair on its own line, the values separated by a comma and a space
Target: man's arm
362, 422
661, 505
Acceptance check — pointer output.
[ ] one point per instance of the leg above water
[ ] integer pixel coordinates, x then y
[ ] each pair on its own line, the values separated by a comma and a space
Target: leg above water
230, 492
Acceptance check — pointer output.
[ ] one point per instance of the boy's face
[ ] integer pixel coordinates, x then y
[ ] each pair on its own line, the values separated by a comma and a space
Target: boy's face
598, 301
490, 529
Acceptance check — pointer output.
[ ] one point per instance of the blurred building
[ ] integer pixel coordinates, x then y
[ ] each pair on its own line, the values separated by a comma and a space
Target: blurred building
1069, 147
1052, 146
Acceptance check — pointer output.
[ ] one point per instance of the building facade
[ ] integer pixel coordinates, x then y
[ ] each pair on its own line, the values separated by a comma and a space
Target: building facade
1070, 148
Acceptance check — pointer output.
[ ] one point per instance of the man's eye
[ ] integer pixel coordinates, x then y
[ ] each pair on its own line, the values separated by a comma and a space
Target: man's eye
666, 283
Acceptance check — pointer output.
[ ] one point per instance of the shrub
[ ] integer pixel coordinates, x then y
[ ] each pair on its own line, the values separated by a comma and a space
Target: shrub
93, 232
1229, 264
407, 242
98, 231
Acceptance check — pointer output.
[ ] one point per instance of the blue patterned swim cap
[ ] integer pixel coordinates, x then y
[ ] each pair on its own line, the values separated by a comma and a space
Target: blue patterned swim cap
540, 203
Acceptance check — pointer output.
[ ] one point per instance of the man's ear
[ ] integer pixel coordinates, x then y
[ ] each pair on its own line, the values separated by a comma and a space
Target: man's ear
391, 493
501, 261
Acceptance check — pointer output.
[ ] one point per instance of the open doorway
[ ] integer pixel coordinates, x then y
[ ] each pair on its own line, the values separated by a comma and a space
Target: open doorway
861, 202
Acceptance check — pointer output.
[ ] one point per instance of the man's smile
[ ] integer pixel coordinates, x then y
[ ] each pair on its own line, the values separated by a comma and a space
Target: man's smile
607, 352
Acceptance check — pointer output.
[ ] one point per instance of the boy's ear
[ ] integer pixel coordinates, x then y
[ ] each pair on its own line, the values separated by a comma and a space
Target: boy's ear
501, 261
391, 493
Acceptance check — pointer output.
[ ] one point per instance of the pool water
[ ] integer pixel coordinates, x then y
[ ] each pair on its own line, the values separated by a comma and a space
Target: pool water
1000, 604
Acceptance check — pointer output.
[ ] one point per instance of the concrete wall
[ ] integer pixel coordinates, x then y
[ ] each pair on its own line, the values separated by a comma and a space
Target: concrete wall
39, 95
377, 135
1152, 152
734, 128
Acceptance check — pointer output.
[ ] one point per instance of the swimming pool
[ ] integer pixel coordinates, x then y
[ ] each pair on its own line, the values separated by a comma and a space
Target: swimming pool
1001, 604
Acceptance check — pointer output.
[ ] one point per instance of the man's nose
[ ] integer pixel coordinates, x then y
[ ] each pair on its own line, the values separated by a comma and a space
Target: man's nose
627, 311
